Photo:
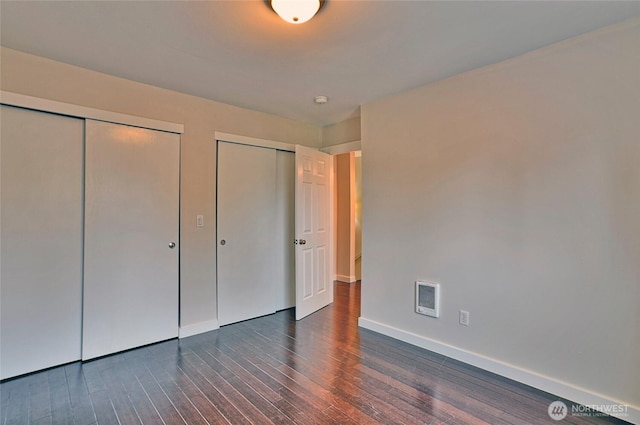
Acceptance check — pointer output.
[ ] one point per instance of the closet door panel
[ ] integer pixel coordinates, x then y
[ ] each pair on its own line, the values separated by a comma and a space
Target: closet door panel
285, 269
131, 238
246, 232
41, 240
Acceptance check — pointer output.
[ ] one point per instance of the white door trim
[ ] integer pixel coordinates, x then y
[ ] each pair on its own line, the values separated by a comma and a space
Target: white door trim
252, 141
343, 148
61, 108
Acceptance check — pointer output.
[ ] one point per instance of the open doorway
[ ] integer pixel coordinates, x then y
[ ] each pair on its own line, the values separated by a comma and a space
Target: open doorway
348, 216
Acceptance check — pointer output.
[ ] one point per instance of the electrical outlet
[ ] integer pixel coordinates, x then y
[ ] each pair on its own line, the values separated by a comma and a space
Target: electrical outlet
464, 318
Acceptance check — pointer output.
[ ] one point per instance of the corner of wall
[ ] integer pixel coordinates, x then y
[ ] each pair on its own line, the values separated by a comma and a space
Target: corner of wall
341, 132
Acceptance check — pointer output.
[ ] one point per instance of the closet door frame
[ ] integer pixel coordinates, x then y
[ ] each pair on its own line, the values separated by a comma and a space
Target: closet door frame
84, 113
282, 294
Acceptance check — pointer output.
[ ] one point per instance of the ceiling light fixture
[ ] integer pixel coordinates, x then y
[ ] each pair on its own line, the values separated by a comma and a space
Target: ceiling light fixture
296, 11
320, 100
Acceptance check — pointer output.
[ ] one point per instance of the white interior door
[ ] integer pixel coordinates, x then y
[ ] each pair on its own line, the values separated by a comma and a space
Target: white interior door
246, 232
314, 259
131, 238
41, 240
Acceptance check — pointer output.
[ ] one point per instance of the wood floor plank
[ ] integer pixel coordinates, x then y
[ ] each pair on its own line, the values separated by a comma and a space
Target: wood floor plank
60, 401
165, 374
39, 397
302, 399
207, 409
140, 400
173, 378
103, 408
121, 403
342, 383
240, 366
322, 370
92, 377
206, 378
235, 391
350, 380
15, 407
300, 416
252, 389
165, 408
45, 420
273, 377
81, 408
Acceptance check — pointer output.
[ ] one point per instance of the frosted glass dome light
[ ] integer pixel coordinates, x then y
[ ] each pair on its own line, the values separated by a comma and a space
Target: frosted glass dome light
296, 11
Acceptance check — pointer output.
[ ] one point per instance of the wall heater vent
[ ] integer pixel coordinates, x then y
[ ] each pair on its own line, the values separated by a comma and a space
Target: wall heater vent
428, 298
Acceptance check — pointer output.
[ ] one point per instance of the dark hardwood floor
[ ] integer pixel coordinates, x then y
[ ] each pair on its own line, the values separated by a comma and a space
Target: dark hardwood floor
274, 370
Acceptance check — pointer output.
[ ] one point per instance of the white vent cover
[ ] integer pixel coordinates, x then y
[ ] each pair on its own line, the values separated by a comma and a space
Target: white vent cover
428, 298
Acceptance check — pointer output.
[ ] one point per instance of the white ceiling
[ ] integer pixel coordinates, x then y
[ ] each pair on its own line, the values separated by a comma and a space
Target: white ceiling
241, 53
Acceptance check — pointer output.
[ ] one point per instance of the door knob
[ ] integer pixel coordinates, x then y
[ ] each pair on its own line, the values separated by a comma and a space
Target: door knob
303, 242
172, 245
222, 242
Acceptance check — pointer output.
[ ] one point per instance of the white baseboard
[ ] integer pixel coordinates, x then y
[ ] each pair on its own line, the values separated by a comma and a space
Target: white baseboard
533, 379
198, 328
347, 279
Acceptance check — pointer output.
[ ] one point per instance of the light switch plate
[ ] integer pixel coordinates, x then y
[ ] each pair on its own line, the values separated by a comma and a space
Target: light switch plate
199, 221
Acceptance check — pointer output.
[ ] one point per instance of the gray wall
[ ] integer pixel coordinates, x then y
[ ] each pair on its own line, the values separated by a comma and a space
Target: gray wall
517, 187
341, 132
35, 76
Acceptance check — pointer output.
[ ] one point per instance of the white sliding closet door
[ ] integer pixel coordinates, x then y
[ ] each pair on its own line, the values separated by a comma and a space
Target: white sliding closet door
41, 240
246, 232
131, 238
